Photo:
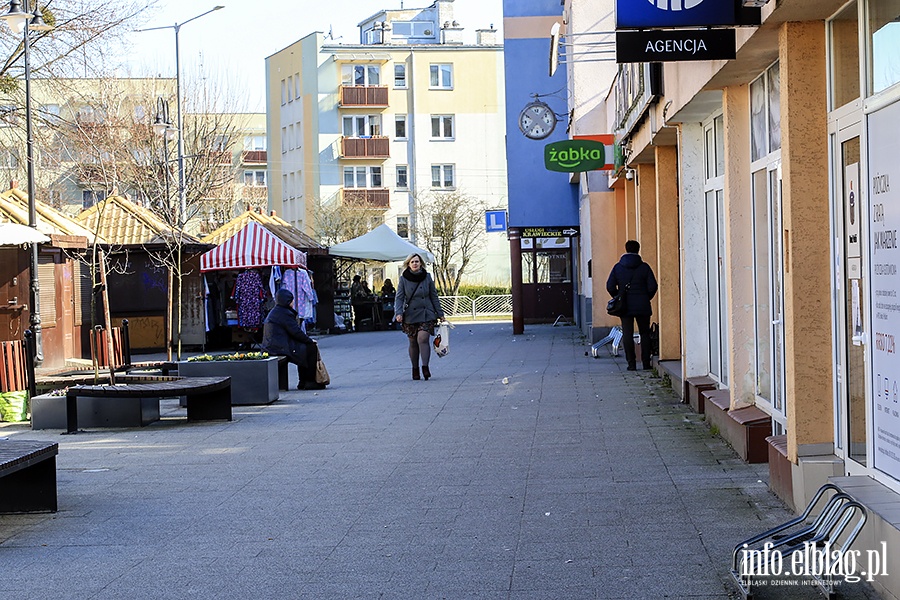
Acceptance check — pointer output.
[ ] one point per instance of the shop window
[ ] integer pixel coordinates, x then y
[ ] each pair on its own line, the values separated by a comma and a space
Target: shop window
552, 267
844, 56
527, 267
884, 44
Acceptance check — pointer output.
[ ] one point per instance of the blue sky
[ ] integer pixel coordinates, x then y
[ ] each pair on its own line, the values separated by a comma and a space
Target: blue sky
232, 44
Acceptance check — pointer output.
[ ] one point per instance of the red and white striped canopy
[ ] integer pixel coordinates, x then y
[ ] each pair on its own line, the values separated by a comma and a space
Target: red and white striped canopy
252, 247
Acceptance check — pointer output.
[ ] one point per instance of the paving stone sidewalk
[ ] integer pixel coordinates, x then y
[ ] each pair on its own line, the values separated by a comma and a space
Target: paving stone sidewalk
523, 470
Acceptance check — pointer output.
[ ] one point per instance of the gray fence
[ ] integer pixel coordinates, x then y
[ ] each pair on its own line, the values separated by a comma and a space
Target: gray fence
497, 306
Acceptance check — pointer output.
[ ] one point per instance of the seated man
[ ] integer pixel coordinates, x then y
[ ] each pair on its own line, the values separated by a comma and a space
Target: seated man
282, 336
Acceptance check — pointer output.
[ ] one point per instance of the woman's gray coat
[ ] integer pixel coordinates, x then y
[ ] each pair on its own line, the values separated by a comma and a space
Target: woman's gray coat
417, 305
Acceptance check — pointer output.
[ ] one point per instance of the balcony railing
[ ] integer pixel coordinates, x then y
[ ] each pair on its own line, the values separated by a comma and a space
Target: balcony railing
254, 156
364, 95
367, 198
370, 147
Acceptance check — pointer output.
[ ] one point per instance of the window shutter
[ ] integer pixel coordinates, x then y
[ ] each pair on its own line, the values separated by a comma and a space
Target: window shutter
47, 280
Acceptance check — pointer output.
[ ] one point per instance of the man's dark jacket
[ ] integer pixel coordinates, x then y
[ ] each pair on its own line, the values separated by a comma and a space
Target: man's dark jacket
282, 334
631, 268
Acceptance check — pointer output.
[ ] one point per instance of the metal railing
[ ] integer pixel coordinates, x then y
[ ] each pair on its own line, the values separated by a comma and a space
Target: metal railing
497, 306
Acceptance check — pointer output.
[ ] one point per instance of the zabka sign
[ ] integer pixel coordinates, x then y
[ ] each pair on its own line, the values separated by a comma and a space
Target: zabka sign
674, 45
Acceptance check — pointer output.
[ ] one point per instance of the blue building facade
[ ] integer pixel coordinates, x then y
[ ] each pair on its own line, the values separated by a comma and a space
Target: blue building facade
543, 205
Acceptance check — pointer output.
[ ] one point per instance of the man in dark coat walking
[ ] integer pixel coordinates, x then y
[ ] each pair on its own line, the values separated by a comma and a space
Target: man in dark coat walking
636, 277
282, 336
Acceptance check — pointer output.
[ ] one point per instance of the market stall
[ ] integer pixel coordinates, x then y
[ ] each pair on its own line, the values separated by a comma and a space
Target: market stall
381, 244
241, 276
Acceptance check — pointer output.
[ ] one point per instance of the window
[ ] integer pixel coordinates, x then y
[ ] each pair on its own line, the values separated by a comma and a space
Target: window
360, 75
297, 86
400, 75
362, 177
284, 140
254, 142
255, 178
290, 87
49, 113
8, 116
765, 113
408, 29
402, 177
844, 56
400, 127
92, 197
283, 93
442, 127
442, 176
884, 44
9, 158
292, 138
362, 126
284, 187
403, 227
442, 76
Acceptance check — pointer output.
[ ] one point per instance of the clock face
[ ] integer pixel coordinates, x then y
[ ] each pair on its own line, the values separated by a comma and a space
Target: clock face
537, 121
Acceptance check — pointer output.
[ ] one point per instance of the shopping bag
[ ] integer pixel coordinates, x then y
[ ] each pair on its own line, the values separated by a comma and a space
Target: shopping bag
321, 372
442, 340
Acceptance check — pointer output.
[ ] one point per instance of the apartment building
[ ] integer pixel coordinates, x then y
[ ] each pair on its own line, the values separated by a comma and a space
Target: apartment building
385, 125
95, 138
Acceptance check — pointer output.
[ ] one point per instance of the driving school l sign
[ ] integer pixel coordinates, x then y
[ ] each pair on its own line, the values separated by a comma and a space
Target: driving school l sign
576, 156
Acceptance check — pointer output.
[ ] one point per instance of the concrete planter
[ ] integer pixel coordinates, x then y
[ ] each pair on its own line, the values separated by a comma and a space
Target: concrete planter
252, 381
49, 412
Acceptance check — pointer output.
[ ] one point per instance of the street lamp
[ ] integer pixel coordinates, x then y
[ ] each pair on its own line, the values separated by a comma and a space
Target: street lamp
24, 21
182, 201
163, 127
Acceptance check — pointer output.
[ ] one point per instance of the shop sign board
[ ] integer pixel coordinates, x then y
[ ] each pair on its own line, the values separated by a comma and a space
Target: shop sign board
549, 232
575, 156
640, 14
675, 45
884, 222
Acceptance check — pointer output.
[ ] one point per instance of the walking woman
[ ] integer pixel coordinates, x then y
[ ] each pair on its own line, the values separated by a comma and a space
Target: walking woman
417, 309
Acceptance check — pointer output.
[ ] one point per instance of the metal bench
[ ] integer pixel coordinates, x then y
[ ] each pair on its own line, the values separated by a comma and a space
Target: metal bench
27, 476
208, 398
826, 529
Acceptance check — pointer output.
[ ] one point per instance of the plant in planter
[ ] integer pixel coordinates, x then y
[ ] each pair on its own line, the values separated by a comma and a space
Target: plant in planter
254, 375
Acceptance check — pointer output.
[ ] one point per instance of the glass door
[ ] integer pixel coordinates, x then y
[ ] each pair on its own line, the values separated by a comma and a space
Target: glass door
849, 305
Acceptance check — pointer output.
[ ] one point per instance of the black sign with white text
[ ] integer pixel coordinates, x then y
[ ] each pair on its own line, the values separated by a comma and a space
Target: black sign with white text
674, 45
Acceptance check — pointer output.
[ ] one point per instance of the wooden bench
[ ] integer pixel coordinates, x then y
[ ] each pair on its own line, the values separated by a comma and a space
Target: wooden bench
208, 398
27, 476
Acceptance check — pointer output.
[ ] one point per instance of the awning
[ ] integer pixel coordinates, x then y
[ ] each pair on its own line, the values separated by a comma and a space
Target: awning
252, 247
380, 244
13, 234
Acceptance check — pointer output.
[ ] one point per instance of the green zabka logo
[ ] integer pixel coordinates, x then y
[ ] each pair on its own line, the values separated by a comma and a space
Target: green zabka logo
574, 156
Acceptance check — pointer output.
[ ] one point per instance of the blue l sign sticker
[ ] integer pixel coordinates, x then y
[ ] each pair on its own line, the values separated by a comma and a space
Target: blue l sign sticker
495, 220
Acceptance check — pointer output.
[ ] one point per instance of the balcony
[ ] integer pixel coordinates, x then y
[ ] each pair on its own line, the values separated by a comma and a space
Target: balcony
364, 95
254, 157
367, 198
368, 147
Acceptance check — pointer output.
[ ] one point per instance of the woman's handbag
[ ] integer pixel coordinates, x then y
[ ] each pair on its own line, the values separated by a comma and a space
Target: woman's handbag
616, 304
321, 372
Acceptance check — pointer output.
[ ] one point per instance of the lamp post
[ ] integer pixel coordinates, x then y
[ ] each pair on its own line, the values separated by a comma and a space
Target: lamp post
182, 200
23, 20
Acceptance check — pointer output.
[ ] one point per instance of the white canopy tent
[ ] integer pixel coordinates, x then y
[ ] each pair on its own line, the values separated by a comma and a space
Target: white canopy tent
13, 234
380, 244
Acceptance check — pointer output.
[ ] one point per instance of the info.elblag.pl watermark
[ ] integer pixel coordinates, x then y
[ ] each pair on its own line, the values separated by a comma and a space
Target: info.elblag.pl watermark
814, 560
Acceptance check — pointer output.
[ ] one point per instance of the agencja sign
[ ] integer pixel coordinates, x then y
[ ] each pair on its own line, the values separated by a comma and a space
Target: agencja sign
675, 45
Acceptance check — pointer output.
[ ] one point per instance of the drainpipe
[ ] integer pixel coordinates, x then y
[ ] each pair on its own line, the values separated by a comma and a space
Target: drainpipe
411, 146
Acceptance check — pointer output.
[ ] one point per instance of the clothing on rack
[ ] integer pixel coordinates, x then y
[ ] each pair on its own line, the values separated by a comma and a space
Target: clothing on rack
249, 293
299, 284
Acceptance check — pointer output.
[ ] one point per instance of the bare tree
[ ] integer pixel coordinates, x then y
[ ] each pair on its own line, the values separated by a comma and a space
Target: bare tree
450, 225
86, 41
337, 221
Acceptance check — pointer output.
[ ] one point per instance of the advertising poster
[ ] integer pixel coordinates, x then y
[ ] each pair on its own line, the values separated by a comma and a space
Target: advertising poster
884, 221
